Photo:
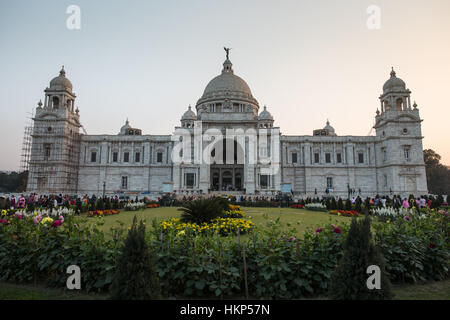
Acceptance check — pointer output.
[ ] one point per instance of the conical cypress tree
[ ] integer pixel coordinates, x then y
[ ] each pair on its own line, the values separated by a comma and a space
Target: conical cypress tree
348, 204
340, 204
358, 203
136, 276
333, 204
349, 280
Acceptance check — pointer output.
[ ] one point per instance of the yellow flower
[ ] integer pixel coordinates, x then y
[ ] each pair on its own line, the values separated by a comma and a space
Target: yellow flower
181, 233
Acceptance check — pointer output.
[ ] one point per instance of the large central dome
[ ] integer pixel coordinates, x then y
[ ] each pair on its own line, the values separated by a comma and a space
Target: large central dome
227, 85
227, 81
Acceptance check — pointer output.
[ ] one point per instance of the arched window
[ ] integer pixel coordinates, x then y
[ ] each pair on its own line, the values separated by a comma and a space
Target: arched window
399, 103
55, 102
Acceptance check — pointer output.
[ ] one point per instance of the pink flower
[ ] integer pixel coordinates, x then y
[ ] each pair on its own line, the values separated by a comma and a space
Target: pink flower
319, 230
432, 245
3, 221
61, 218
407, 218
291, 239
56, 223
37, 219
337, 230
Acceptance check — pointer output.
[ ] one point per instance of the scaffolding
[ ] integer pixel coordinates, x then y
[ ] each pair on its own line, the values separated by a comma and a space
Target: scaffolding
26, 144
54, 158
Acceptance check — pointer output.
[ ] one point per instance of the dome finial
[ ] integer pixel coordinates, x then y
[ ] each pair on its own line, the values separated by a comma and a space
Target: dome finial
393, 73
328, 122
127, 122
62, 72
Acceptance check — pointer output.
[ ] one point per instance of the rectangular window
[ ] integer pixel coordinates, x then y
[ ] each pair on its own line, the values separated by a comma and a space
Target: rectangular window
190, 180
328, 157
264, 181
406, 153
126, 157
137, 157
329, 183
115, 156
339, 158
159, 156
294, 157
316, 158
47, 149
384, 154
93, 156
360, 157
124, 182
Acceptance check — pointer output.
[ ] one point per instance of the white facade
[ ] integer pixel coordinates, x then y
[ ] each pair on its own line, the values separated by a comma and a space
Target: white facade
65, 161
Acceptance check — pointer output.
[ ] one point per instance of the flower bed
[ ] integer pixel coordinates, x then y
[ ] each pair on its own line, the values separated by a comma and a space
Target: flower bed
316, 207
232, 221
134, 206
101, 213
345, 213
152, 205
208, 265
297, 206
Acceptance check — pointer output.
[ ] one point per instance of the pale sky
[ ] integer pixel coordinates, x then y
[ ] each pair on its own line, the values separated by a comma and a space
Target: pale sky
148, 60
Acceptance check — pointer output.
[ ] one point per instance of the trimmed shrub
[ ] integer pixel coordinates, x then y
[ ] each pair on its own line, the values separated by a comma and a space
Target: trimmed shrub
136, 275
348, 281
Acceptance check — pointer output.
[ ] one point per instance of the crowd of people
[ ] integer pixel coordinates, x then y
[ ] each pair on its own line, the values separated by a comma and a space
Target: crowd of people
49, 201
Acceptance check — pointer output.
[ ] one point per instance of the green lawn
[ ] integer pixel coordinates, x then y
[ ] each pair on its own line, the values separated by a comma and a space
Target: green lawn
300, 219
430, 291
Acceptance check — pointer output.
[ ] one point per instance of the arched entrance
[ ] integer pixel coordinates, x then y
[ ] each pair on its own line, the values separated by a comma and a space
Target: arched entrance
226, 176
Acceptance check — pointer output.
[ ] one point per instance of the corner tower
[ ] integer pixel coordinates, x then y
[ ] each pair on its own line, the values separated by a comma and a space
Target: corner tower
399, 136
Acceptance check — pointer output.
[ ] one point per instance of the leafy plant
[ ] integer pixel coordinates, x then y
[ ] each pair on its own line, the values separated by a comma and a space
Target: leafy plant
203, 210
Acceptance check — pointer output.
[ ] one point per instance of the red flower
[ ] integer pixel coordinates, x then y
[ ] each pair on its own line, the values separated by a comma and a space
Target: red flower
432, 245
319, 230
56, 223
337, 230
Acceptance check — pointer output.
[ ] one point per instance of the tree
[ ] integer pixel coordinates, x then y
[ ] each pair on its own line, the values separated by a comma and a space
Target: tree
438, 175
348, 205
136, 275
349, 280
13, 181
340, 204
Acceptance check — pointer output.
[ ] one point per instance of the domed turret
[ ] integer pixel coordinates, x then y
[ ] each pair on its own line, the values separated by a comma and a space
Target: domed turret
265, 119
394, 83
61, 82
330, 129
124, 128
265, 115
395, 95
127, 130
188, 118
189, 115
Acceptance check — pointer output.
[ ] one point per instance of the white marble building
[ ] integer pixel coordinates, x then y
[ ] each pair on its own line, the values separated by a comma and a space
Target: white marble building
64, 160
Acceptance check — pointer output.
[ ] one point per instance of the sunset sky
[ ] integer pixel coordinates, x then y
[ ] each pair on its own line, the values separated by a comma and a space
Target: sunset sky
308, 61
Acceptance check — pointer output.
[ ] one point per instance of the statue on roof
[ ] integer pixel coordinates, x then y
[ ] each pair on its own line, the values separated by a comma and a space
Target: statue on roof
227, 50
